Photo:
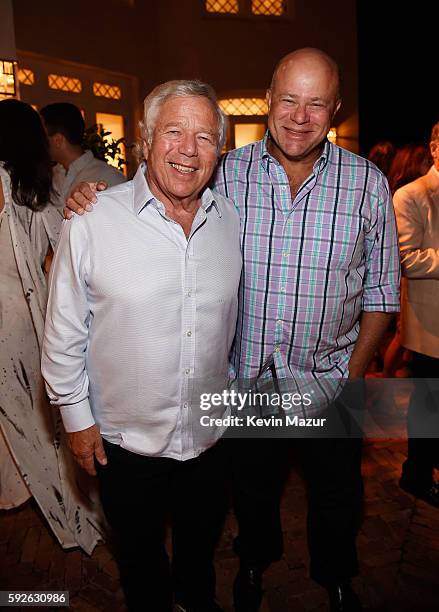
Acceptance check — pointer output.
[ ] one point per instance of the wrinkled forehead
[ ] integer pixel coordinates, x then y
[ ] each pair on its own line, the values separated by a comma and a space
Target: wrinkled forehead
187, 107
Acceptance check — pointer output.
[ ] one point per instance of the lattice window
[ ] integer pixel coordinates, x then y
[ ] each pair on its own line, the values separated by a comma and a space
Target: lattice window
222, 6
7, 79
104, 90
64, 83
26, 76
244, 106
269, 7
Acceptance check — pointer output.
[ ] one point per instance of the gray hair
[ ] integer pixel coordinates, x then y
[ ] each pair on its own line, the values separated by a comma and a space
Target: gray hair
178, 88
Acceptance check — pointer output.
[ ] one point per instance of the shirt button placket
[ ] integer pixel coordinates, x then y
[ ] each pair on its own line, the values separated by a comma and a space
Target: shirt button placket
188, 344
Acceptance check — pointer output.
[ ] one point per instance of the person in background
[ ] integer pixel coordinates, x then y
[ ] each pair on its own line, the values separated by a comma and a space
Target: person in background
410, 162
382, 155
65, 127
417, 213
33, 458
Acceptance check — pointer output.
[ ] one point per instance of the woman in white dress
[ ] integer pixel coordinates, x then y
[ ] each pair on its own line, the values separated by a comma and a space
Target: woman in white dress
34, 459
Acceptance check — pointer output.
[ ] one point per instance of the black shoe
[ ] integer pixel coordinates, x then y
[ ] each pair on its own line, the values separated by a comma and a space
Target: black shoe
429, 493
247, 590
343, 599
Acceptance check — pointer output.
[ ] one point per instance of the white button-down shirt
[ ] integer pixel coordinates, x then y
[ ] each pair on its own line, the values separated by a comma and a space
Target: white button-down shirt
139, 317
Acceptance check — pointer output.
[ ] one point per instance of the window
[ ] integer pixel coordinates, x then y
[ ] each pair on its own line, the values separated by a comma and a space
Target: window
104, 90
7, 79
26, 76
248, 8
247, 120
115, 125
64, 83
245, 133
222, 6
269, 7
244, 106
332, 135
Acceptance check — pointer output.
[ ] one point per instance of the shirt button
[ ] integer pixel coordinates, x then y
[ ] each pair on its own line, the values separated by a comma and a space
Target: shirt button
283, 289
189, 293
276, 349
187, 371
189, 333
185, 405
279, 322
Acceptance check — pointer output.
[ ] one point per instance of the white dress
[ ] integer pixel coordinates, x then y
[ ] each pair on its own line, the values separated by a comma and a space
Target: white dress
34, 458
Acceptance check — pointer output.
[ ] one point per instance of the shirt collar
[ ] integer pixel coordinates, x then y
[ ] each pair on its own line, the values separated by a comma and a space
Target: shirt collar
80, 163
263, 153
143, 195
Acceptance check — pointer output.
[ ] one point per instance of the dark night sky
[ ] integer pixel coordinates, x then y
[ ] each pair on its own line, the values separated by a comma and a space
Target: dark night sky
398, 71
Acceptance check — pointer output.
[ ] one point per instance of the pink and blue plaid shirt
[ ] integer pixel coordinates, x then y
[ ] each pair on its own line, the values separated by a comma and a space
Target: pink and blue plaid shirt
312, 264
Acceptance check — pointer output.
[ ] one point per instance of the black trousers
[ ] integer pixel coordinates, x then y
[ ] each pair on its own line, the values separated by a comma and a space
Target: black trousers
423, 452
332, 470
138, 493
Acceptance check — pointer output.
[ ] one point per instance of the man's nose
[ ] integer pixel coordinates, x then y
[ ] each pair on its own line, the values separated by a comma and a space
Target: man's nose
300, 114
188, 145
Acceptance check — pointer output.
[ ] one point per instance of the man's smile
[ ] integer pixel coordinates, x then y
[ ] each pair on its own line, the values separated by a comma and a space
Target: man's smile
183, 169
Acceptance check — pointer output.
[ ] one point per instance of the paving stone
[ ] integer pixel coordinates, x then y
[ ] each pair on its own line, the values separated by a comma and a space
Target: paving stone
105, 581
30, 545
82, 605
97, 596
73, 573
398, 547
111, 569
44, 553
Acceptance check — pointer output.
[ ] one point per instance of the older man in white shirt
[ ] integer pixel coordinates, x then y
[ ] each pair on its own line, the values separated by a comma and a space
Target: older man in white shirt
143, 303
417, 215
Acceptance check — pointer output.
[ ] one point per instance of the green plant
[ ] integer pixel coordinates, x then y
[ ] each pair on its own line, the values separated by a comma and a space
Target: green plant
97, 140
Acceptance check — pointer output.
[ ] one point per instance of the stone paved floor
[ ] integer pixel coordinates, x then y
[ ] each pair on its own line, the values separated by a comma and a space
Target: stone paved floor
398, 547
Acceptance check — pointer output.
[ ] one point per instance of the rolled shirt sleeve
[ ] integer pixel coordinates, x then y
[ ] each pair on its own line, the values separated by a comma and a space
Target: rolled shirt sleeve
382, 276
63, 360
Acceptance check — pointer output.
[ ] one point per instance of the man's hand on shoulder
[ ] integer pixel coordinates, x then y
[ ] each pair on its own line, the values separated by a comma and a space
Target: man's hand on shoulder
85, 446
82, 197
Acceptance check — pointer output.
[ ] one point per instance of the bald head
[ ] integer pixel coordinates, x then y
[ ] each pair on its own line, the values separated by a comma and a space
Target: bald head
302, 101
313, 60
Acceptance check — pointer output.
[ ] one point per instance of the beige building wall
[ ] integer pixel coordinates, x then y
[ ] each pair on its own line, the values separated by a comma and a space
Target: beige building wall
166, 39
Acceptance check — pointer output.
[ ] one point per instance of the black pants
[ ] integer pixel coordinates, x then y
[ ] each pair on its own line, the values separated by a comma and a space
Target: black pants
137, 494
332, 470
423, 452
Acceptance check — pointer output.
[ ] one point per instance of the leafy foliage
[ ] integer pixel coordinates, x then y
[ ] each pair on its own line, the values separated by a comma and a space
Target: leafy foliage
97, 140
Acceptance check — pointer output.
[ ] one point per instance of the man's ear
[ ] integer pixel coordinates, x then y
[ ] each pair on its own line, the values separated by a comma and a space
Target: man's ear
268, 98
58, 140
